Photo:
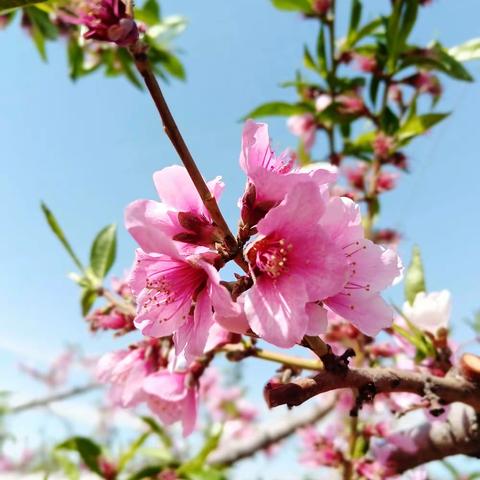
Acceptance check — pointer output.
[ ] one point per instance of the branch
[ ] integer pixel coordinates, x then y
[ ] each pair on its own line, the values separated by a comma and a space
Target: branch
268, 435
56, 397
459, 434
375, 380
171, 129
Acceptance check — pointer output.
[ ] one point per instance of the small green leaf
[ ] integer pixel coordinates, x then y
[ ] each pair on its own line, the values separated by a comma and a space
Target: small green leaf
322, 52
414, 276
87, 299
75, 58
308, 59
158, 430
128, 455
125, 60
466, 51
293, 5
69, 468
42, 28
281, 109
55, 227
416, 125
197, 462
355, 36
149, 13
103, 251
355, 15
7, 4
146, 472
89, 451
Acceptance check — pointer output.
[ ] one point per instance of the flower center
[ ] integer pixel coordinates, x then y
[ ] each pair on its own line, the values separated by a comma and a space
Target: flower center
269, 256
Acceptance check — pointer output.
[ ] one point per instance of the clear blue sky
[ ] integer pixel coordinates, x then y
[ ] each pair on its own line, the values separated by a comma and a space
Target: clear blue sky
89, 148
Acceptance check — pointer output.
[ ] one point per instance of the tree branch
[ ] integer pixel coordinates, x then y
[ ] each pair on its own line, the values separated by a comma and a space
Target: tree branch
56, 397
268, 435
171, 129
459, 434
452, 388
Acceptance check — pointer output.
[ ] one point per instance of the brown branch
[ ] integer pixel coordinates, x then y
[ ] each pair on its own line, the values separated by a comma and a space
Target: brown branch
268, 435
56, 397
459, 434
376, 380
171, 129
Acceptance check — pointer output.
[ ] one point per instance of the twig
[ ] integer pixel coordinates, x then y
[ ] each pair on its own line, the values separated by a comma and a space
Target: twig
267, 435
238, 352
376, 380
173, 133
56, 397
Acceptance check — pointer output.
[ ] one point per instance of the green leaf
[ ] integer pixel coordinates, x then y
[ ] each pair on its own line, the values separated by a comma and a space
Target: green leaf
146, 472
436, 58
416, 125
281, 109
42, 28
158, 430
355, 36
211, 443
89, 451
207, 473
467, 51
55, 227
7, 4
293, 5
322, 52
149, 13
355, 15
69, 468
125, 60
75, 58
308, 59
103, 251
414, 276
127, 456
87, 299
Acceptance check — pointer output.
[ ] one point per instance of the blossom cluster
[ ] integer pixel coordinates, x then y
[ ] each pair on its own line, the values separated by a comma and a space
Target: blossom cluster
304, 257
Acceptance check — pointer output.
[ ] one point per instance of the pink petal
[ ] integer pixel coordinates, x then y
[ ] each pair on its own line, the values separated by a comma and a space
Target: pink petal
368, 314
317, 319
189, 417
276, 310
255, 146
166, 385
150, 225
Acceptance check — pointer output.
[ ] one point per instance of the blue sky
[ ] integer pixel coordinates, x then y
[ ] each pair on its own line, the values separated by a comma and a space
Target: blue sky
89, 148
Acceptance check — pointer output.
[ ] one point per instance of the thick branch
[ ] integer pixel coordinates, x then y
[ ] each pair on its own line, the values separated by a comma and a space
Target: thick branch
376, 380
267, 435
56, 397
459, 434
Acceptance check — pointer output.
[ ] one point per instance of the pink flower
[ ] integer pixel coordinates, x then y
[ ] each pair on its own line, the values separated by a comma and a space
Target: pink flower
125, 370
365, 63
107, 20
372, 268
172, 399
181, 215
383, 145
270, 177
168, 285
350, 104
356, 175
293, 264
386, 181
305, 127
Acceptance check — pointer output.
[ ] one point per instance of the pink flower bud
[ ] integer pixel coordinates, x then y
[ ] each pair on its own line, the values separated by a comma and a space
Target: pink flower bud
322, 6
382, 145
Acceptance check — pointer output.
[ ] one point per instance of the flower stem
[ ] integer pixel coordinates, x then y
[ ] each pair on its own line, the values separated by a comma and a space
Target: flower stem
171, 129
